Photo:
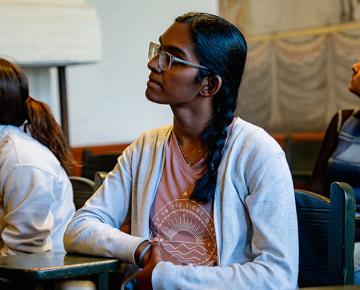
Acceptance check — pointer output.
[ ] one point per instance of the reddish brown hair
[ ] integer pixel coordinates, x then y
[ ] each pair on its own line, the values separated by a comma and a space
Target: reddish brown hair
16, 107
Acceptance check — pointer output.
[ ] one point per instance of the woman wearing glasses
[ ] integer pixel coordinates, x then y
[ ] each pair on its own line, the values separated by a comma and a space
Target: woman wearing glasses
208, 202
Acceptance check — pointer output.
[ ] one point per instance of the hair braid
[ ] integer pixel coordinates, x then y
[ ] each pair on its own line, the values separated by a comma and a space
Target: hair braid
214, 136
220, 47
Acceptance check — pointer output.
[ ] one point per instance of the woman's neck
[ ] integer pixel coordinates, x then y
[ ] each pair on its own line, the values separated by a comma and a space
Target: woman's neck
189, 128
188, 132
191, 121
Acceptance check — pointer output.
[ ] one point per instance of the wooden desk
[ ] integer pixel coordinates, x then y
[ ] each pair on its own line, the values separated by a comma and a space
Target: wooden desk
344, 287
46, 268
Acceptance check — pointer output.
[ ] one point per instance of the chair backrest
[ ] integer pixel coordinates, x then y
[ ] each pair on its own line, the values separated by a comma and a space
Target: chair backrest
301, 156
98, 162
326, 236
99, 178
83, 189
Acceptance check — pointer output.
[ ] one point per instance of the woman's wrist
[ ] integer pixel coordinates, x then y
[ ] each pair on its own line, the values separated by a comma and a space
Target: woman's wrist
141, 251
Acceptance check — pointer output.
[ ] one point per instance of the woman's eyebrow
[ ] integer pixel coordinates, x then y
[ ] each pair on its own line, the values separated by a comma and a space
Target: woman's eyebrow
171, 48
178, 50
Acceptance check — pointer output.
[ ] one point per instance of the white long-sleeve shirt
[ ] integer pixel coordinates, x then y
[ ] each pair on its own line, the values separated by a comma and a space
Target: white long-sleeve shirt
36, 198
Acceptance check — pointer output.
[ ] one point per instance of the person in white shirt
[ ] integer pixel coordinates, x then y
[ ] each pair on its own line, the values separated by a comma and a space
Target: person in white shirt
36, 197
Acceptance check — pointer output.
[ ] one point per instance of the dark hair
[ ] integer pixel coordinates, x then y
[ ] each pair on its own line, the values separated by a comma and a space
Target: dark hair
16, 107
222, 48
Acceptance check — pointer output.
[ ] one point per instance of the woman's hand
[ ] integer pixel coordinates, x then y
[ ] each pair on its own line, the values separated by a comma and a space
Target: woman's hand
149, 262
167, 257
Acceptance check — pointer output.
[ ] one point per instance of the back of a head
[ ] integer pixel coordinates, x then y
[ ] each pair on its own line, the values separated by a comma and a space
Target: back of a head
14, 91
18, 108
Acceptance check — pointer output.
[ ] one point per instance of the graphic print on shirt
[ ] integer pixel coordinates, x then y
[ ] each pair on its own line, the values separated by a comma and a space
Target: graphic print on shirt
186, 231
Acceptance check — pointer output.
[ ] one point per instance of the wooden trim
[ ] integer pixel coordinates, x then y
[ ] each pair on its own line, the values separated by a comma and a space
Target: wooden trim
98, 149
118, 148
307, 136
280, 138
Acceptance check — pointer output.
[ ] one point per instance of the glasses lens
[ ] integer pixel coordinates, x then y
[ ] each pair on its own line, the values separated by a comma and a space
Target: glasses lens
154, 50
164, 60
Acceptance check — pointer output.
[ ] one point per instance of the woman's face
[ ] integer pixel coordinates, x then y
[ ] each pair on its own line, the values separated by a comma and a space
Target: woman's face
176, 86
354, 85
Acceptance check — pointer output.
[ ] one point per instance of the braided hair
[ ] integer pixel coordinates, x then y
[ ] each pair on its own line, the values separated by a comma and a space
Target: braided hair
222, 48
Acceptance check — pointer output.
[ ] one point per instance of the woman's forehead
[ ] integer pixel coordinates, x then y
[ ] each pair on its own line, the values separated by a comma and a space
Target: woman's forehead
178, 37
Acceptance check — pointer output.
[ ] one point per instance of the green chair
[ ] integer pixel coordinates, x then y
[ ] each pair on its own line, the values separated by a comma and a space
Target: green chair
83, 189
326, 236
98, 162
301, 156
99, 178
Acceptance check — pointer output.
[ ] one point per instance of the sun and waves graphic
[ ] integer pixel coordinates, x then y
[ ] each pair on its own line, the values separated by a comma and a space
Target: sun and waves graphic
186, 231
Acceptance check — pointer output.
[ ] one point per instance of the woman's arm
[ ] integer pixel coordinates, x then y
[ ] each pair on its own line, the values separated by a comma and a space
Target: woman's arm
95, 229
126, 192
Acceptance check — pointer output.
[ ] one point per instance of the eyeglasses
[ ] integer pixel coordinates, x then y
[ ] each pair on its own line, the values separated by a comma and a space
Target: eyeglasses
167, 59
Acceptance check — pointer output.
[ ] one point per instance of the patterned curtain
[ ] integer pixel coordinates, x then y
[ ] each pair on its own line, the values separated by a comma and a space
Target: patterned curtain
297, 81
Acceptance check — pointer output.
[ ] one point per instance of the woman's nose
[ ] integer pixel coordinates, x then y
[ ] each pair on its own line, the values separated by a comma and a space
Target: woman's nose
153, 64
355, 67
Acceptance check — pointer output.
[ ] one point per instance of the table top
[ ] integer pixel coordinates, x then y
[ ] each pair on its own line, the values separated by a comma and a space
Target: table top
54, 265
342, 287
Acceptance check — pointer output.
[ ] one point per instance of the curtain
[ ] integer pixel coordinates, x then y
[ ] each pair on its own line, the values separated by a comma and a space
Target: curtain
297, 81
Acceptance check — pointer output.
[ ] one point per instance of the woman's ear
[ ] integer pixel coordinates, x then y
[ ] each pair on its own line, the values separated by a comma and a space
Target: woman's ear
210, 85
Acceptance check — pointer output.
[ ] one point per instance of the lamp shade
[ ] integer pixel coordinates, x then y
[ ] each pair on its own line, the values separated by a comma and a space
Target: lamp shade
49, 32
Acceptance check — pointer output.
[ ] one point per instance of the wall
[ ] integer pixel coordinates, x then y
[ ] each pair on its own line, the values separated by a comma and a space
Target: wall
106, 100
44, 87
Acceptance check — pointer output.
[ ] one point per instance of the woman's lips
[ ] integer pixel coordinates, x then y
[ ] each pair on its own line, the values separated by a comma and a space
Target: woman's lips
152, 82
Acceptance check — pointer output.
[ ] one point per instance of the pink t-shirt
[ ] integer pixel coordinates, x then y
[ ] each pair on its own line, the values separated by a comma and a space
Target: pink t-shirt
184, 228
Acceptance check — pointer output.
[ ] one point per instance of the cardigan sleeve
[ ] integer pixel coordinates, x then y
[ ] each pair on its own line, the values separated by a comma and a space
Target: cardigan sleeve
95, 228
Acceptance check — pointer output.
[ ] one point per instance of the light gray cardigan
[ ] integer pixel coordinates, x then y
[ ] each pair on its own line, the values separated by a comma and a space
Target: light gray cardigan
254, 214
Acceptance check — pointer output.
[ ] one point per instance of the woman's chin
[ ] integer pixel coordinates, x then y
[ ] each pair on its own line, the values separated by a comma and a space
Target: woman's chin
150, 95
354, 88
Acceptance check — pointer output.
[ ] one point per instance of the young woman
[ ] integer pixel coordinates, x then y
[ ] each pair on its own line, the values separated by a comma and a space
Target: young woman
36, 200
207, 202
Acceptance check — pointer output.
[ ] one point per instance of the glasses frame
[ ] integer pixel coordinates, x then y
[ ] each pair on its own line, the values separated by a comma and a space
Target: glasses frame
155, 50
